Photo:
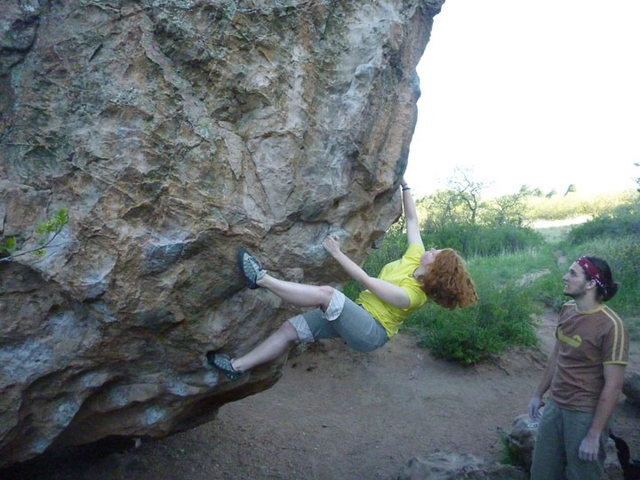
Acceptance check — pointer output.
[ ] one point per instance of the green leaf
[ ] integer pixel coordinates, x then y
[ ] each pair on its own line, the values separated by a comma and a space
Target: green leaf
9, 245
55, 224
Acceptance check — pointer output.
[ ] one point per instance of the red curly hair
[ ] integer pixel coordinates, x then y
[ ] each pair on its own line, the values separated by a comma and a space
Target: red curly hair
448, 282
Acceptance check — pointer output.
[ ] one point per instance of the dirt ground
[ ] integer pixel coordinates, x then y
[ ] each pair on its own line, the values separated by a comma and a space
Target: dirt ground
339, 414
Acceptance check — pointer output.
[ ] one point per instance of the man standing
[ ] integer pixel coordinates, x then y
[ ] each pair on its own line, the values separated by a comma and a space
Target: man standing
585, 372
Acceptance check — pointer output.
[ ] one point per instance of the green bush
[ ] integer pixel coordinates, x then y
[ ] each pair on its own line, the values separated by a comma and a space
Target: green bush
620, 221
503, 316
482, 240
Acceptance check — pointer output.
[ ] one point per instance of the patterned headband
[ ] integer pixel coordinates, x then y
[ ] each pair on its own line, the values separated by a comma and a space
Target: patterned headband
591, 270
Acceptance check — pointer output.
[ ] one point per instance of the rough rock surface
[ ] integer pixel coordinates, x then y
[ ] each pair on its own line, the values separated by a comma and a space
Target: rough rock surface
175, 131
521, 440
453, 466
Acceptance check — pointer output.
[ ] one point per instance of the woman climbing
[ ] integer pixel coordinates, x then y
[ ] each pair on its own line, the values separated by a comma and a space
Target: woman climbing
402, 287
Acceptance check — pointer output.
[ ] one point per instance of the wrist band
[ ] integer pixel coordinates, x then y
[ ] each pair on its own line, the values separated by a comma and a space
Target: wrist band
406, 188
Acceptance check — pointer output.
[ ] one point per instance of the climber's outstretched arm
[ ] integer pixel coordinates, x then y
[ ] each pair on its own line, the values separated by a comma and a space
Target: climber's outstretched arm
410, 215
385, 291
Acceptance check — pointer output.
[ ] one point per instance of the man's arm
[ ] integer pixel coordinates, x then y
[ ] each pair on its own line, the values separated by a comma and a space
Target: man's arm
410, 215
385, 291
545, 382
613, 379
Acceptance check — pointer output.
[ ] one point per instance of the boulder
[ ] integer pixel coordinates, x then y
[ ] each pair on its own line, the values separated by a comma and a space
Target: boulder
174, 132
521, 439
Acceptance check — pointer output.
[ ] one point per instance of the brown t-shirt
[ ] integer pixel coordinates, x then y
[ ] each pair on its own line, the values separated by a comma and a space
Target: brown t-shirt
588, 341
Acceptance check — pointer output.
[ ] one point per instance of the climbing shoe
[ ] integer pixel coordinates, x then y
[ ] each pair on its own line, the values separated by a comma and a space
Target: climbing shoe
223, 362
250, 268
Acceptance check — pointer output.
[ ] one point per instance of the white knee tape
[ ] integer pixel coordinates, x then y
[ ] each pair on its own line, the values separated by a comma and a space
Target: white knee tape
302, 329
336, 304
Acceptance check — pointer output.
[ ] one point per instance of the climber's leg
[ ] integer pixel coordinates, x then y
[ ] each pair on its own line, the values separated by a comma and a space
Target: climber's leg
299, 294
344, 319
274, 346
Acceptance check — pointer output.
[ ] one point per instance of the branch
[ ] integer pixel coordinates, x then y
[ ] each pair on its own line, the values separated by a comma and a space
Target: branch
33, 250
55, 226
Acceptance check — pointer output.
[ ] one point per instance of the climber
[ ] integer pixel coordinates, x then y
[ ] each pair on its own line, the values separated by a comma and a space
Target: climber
402, 287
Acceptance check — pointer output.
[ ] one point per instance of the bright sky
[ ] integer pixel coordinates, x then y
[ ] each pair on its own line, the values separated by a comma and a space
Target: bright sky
543, 93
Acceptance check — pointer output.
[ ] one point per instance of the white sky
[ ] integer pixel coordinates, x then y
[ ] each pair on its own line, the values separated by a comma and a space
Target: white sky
544, 93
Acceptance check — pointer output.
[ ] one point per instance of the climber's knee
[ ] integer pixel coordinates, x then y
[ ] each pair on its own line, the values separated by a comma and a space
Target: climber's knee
335, 305
301, 329
325, 294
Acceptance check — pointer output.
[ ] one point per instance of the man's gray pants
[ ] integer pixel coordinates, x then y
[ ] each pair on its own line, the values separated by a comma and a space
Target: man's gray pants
555, 456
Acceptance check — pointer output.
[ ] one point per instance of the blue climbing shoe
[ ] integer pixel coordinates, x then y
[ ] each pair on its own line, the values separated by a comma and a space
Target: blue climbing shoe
250, 268
223, 362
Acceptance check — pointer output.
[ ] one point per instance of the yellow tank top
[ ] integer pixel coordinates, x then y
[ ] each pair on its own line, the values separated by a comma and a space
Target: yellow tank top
399, 273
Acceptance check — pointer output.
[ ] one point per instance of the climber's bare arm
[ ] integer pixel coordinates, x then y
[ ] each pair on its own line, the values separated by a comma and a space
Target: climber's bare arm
410, 215
385, 291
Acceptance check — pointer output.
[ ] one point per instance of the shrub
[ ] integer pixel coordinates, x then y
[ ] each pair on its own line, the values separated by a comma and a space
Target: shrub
481, 240
503, 317
621, 221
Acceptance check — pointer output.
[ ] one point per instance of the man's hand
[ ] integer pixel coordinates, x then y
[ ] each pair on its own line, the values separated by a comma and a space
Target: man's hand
613, 380
589, 448
331, 245
534, 407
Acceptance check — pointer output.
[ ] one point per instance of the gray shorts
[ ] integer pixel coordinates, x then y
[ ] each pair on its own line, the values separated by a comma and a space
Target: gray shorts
345, 319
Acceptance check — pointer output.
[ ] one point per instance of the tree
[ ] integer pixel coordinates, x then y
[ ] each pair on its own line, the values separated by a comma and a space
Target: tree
507, 210
442, 208
468, 192
525, 190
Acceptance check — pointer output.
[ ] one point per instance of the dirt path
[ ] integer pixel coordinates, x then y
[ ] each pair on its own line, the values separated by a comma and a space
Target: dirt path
338, 414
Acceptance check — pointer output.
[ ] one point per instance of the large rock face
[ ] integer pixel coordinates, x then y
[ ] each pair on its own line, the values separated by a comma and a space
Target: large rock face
174, 131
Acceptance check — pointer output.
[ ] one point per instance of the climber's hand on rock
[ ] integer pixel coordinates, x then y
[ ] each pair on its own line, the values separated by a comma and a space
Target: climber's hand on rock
331, 245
